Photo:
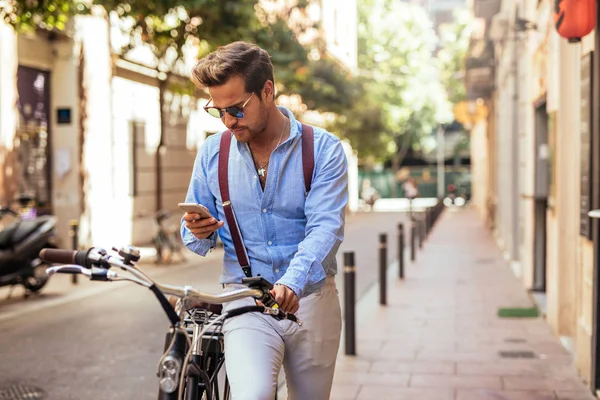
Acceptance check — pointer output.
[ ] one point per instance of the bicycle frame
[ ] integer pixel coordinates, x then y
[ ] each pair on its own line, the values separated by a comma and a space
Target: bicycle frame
190, 365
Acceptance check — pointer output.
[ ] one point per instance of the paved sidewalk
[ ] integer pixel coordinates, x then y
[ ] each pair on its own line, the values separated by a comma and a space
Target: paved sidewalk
439, 338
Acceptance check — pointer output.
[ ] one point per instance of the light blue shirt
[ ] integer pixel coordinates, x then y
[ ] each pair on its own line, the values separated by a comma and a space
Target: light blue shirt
291, 238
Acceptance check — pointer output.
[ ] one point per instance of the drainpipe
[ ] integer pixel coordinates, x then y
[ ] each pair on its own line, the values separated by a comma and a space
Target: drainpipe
515, 146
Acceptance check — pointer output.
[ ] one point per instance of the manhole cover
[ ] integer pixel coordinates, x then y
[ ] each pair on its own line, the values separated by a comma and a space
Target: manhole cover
517, 354
21, 392
515, 340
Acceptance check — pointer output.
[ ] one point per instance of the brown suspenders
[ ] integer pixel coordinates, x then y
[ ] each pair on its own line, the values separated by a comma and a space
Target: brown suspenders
308, 165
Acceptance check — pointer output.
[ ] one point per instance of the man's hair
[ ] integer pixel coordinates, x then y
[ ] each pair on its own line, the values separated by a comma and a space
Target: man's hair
243, 59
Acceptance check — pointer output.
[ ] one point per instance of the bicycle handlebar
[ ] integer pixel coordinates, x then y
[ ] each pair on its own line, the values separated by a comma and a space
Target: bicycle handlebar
86, 263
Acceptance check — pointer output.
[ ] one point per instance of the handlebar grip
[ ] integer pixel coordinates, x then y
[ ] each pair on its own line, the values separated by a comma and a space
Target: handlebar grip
58, 256
64, 256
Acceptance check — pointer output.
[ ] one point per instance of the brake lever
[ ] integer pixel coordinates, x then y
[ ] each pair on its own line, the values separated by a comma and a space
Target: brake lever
260, 283
101, 274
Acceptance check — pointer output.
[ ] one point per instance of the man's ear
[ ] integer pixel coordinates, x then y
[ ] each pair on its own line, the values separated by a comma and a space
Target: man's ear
269, 91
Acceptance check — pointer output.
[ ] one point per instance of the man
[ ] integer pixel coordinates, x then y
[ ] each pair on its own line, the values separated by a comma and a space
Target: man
291, 236
411, 192
369, 194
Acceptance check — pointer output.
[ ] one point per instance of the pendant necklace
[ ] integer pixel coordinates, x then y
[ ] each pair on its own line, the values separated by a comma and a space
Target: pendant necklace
261, 170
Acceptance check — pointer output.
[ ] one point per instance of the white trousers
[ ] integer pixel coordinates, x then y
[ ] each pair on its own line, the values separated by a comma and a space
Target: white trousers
257, 345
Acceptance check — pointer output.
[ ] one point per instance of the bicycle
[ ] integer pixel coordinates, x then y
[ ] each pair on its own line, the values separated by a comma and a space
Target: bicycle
166, 240
194, 344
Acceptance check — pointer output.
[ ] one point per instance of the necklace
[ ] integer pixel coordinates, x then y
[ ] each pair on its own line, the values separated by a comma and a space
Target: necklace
261, 170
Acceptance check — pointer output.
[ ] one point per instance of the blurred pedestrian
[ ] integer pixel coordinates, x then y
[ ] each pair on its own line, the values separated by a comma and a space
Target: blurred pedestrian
369, 194
411, 192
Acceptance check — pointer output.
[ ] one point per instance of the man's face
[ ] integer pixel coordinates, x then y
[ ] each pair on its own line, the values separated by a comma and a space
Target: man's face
233, 93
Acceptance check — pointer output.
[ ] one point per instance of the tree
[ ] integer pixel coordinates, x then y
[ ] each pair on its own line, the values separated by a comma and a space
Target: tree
454, 42
25, 16
396, 46
365, 125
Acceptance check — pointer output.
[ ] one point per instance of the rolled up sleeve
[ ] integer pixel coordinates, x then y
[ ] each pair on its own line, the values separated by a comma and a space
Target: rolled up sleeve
325, 212
199, 192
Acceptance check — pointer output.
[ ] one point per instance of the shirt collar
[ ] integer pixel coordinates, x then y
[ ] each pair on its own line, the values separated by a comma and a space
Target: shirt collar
294, 130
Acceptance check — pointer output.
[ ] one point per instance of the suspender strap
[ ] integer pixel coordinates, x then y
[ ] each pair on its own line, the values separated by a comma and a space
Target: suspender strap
234, 228
308, 165
308, 155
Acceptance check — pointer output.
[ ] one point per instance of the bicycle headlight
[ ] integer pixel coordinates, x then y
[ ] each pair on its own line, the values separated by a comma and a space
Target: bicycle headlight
168, 374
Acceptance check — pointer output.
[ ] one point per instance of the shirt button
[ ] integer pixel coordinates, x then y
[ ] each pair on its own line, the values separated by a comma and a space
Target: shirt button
277, 270
264, 210
270, 243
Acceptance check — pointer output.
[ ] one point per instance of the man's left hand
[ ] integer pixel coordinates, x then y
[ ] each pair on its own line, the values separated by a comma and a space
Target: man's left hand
286, 298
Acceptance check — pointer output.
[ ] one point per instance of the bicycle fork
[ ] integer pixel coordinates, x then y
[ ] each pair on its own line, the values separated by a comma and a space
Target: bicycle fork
193, 379
176, 352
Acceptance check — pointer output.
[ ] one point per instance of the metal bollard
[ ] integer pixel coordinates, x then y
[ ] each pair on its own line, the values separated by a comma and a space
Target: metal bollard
413, 233
420, 222
383, 269
349, 303
429, 220
74, 233
401, 251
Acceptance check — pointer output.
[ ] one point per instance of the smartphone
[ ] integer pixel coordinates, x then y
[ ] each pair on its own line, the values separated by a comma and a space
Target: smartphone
192, 208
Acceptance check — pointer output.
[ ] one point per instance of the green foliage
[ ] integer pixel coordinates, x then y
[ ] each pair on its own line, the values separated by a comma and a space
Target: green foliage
454, 43
26, 16
364, 125
327, 87
169, 25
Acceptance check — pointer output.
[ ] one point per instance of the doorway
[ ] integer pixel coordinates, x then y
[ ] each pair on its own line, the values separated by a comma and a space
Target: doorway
541, 189
32, 139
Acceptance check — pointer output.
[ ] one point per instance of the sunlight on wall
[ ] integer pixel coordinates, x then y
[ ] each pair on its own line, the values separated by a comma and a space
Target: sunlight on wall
132, 102
339, 21
102, 220
8, 85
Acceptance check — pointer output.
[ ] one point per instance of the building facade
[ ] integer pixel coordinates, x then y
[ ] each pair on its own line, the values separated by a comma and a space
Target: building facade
537, 163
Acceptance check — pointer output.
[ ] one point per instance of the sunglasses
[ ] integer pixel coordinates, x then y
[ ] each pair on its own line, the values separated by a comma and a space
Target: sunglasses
234, 111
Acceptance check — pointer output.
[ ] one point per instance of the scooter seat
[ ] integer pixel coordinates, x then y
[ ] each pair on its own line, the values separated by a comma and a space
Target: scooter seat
18, 231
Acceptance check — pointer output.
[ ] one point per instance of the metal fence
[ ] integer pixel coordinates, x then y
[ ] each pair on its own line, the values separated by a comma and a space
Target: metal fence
424, 177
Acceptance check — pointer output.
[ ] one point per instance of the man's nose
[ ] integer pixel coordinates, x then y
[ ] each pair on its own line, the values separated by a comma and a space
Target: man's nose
229, 120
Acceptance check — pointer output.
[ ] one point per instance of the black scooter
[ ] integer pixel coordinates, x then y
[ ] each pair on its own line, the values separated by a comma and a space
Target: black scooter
20, 244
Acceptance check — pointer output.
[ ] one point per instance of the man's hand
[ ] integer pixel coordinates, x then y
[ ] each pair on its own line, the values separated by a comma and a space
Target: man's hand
286, 298
201, 227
